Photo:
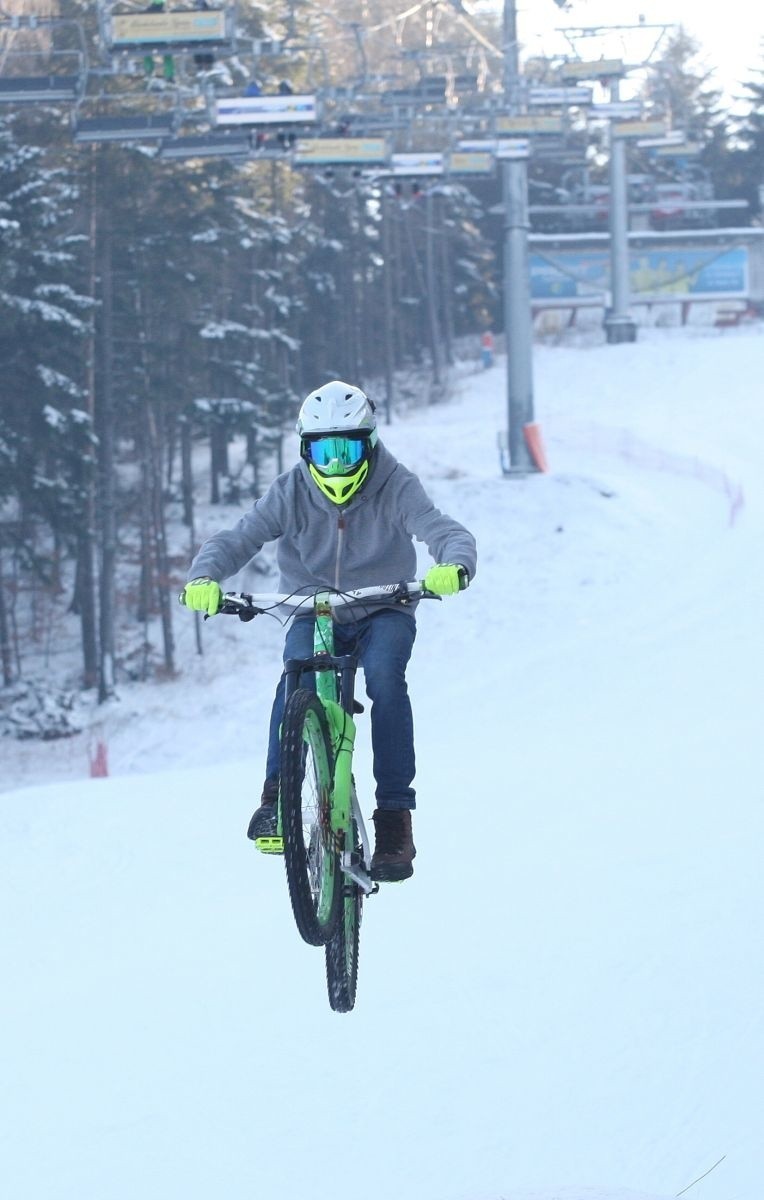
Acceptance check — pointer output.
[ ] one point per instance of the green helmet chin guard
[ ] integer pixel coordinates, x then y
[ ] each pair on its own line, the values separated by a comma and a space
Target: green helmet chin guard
339, 488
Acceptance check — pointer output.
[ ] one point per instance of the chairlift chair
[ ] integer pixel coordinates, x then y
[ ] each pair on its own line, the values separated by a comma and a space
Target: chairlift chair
428, 90
24, 81
126, 116
144, 128
208, 145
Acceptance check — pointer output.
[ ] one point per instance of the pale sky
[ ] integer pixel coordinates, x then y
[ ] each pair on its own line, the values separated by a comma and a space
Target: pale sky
730, 31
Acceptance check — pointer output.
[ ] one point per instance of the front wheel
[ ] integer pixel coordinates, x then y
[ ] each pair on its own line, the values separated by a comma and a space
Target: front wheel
342, 949
310, 857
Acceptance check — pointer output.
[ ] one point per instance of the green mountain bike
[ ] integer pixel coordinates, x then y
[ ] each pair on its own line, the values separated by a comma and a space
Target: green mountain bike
320, 830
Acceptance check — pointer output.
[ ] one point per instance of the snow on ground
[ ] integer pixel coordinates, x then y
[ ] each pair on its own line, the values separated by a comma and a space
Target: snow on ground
564, 1003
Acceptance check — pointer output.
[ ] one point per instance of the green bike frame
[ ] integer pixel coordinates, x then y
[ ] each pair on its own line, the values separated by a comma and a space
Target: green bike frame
341, 724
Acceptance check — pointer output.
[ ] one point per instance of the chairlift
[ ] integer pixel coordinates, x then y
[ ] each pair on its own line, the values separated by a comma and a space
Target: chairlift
23, 81
429, 89
362, 124
465, 83
268, 48
208, 145
125, 117
147, 127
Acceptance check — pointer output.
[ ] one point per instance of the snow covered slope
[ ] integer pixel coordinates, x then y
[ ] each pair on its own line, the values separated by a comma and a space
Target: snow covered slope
564, 1003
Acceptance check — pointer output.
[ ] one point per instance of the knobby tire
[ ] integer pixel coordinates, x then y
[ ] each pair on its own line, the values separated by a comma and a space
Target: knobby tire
342, 949
312, 864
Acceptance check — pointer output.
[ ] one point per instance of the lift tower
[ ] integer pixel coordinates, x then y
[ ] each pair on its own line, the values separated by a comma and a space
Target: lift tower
517, 301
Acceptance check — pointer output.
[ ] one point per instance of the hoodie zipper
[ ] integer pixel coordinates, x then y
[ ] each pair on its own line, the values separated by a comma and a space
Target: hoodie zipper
340, 539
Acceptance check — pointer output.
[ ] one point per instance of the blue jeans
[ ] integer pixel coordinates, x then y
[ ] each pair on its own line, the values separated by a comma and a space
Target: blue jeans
383, 643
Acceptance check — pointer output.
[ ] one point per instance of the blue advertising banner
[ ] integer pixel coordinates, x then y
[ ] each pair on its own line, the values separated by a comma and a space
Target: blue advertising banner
654, 274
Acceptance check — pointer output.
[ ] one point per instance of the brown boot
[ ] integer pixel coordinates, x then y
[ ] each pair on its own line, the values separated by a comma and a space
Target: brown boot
264, 818
394, 848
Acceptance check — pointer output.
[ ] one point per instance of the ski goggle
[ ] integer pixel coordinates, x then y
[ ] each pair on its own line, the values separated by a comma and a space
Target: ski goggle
336, 454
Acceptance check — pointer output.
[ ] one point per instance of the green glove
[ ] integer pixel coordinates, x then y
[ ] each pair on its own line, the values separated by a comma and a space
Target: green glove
202, 595
446, 579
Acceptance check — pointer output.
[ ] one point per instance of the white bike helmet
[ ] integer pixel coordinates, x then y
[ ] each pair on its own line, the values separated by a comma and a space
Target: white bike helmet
338, 433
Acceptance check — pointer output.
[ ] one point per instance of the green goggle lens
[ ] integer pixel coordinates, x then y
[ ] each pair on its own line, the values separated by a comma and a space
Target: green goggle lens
335, 455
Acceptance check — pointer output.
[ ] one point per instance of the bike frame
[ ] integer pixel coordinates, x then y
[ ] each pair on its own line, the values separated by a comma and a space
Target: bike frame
335, 686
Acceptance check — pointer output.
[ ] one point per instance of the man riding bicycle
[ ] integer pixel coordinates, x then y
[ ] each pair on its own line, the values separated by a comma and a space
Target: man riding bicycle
347, 513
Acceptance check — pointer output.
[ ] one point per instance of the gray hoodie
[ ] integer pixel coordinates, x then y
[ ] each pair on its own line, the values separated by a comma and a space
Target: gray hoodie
324, 545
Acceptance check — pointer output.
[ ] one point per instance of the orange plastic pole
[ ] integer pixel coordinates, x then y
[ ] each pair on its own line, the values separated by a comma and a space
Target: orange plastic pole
99, 762
532, 435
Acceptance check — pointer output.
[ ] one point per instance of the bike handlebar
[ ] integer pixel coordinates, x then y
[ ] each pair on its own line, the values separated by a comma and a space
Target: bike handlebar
246, 606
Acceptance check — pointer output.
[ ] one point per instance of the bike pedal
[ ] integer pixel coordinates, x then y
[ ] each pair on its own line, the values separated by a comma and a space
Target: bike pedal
270, 845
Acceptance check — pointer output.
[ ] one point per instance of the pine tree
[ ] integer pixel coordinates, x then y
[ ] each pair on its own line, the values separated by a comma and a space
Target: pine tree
750, 136
45, 431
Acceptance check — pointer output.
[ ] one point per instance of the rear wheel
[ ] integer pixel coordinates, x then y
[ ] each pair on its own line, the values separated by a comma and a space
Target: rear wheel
312, 865
342, 949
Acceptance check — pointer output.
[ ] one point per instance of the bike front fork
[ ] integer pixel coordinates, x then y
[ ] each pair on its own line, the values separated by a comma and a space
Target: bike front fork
354, 862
